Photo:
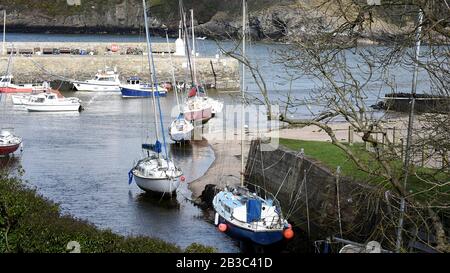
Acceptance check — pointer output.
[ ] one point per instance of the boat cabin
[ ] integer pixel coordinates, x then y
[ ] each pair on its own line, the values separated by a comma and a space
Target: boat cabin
134, 80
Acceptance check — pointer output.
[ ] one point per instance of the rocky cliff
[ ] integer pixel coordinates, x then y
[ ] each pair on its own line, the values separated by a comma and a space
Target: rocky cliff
277, 20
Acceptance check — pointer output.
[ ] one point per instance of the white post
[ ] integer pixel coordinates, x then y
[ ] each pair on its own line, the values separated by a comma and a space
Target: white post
4, 33
243, 90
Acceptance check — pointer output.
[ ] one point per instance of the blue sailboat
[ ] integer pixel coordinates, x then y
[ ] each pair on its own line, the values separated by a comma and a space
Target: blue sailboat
244, 214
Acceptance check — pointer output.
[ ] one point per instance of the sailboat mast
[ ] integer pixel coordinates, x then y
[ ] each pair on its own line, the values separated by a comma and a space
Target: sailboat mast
173, 72
186, 39
150, 67
155, 83
410, 129
243, 89
193, 46
4, 33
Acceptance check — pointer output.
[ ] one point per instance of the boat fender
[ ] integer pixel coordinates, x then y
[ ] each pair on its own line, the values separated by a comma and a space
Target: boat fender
288, 233
223, 227
182, 178
216, 219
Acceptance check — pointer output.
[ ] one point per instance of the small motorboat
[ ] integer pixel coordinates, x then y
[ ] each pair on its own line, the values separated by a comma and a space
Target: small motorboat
135, 89
21, 99
8, 86
180, 129
104, 81
49, 102
9, 143
157, 174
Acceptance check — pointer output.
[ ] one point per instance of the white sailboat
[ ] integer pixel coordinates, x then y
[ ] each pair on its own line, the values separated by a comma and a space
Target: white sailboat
180, 129
155, 173
196, 108
243, 214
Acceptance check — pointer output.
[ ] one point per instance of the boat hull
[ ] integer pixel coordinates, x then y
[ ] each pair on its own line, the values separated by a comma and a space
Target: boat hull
180, 136
198, 115
157, 185
137, 93
10, 90
258, 237
90, 87
52, 108
9, 149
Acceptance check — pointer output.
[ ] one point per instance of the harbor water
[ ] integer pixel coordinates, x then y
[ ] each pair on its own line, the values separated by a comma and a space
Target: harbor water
81, 160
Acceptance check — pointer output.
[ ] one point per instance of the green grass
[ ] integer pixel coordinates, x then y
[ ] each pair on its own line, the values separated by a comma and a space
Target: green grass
29, 223
331, 157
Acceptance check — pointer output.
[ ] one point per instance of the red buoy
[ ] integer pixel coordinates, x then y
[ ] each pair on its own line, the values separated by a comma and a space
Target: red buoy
182, 178
288, 233
223, 227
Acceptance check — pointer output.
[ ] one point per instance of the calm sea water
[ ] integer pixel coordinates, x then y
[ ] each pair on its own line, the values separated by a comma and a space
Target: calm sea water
81, 160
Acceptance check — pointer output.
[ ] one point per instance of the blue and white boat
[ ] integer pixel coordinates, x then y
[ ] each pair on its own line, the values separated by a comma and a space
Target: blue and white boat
245, 216
135, 89
249, 215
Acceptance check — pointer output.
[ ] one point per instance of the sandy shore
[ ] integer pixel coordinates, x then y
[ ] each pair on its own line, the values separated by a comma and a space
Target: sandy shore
225, 170
227, 164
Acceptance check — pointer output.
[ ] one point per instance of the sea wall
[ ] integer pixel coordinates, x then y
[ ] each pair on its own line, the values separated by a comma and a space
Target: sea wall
221, 72
308, 193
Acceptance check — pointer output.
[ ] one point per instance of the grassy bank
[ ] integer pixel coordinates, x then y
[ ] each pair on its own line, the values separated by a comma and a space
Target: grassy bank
331, 156
30, 223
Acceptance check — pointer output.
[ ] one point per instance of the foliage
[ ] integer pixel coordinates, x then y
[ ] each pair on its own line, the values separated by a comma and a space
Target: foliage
30, 223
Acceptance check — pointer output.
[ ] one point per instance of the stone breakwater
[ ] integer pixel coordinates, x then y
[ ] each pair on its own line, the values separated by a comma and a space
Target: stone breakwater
221, 72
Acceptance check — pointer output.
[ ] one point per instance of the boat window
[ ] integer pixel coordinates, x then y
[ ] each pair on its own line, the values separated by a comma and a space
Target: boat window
40, 100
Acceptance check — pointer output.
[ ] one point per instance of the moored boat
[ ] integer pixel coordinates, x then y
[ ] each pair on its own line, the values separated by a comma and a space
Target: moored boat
135, 89
180, 129
104, 81
49, 102
155, 174
9, 143
246, 216
7, 86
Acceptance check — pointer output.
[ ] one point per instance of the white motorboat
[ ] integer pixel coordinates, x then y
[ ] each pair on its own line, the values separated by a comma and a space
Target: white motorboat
21, 99
157, 174
104, 81
49, 102
180, 129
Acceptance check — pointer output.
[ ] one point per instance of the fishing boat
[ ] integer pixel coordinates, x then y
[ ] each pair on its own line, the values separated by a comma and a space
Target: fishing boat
104, 81
9, 143
135, 89
156, 172
49, 102
8, 86
249, 215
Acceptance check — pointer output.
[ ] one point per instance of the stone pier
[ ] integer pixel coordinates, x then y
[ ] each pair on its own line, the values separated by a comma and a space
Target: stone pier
223, 73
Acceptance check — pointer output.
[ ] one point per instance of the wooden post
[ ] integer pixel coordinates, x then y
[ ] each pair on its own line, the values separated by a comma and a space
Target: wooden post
401, 148
393, 135
350, 135
423, 156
